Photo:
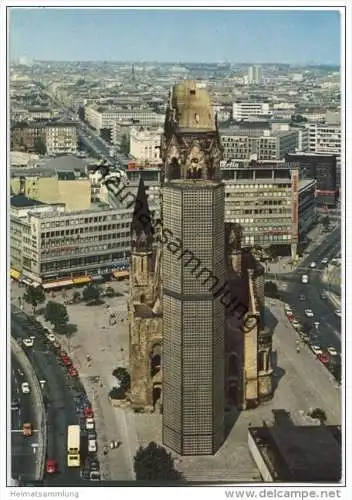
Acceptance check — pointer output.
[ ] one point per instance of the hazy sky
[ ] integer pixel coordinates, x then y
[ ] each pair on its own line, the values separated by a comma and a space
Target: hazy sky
175, 35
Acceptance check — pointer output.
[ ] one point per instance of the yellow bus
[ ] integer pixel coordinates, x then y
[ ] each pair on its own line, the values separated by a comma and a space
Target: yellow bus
73, 446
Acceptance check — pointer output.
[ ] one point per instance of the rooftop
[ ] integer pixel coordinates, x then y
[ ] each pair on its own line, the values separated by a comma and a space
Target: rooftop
21, 201
304, 453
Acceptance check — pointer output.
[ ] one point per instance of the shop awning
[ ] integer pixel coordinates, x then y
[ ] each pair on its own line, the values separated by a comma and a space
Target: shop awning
57, 284
121, 274
15, 274
81, 280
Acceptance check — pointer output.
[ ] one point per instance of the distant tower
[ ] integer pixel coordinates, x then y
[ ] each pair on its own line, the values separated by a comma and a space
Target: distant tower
193, 257
133, 75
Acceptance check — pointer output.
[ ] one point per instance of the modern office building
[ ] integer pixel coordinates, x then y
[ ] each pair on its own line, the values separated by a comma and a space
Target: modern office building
254, 75
266, 199
49, 244
321, 167
243, 110
268, 146
100, 117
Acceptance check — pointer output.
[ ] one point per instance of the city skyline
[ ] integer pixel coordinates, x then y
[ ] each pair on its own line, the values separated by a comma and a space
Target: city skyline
282, 36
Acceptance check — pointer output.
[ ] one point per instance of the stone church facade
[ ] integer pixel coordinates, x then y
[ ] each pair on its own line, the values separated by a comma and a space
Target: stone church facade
191, 149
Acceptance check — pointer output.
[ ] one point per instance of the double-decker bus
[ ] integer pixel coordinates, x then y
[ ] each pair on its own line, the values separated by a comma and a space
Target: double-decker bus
73, 446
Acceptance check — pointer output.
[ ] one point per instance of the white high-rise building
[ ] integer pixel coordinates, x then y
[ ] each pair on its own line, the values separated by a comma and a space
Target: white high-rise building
254, 75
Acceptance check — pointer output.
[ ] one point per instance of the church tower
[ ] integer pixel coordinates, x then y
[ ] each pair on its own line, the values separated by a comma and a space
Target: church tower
144, 311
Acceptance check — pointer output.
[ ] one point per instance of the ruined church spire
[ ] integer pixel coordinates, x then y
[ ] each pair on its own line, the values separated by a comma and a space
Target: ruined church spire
141, 226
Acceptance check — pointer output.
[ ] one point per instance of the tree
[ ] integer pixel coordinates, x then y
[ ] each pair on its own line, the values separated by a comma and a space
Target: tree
124, 377
40, 146
154, 463
34, 296
270, 289
81, 113
326, 222
125, 144
91, 293
56, 314
110, 292
319, 414
117, 393
105, 133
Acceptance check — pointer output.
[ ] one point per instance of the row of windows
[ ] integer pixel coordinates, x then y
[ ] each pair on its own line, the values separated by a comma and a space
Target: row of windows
86, 220
84, 230
83, 261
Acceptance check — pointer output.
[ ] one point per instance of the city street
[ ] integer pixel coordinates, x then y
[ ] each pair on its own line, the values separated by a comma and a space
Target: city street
60, 407
329, 331
23, 452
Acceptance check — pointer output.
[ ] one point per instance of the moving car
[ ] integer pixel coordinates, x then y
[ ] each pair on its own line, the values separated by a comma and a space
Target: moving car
304, 278
51, 466
338, 313
27, 429
323, 295
309, 313
28, 342
332, 351
312, 265
316, 324
15, 406
325, 261
316, 349
25, 388
302, 297
90, 424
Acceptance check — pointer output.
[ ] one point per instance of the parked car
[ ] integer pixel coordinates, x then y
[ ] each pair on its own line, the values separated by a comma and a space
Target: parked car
323, 295
312, 265
309, 313
88, 412
296, 324
90, 424
325, 261
67, 361
73, 371
316, 349
338, 313
92, 446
